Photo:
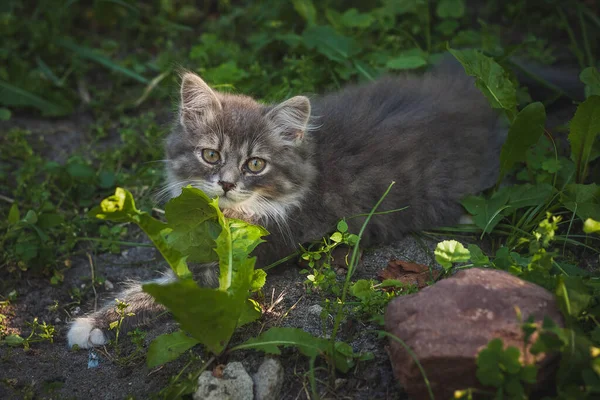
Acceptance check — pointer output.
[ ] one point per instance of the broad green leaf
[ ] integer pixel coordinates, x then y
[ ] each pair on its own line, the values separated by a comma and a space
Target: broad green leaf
449, 252
330, 43
583, 200
342, 226
352, 18
477, 257
591, 78
13, 340
14, 215
251, 311
573, 295
14, 96
120, 207
487, 212
361, 289
307, 10
406, 62
194, 225
528, 195
209, 315
490, 78
309, 345
524, 132
168, 347
591, 226
583, 130
450, 8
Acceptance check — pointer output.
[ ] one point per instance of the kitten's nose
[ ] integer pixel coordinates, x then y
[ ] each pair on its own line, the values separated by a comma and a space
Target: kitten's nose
227, 186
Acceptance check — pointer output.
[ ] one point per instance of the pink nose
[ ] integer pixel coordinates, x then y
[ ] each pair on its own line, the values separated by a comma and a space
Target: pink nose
227, 186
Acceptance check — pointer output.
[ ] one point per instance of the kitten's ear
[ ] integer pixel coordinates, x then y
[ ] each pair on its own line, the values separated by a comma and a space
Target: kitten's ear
291, 117
198, 102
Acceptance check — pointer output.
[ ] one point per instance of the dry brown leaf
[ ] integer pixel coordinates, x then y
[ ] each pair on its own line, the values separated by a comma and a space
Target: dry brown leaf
408, 272
218, 371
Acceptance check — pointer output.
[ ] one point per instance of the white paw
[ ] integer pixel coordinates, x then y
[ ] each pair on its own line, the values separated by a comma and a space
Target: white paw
84, 334
466, 219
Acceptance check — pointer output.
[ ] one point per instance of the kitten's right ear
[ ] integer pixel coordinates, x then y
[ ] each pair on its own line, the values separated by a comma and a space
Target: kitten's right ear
199, 103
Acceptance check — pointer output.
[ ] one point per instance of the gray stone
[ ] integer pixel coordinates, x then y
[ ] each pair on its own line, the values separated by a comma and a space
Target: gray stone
447, 324
235, 384
268, 380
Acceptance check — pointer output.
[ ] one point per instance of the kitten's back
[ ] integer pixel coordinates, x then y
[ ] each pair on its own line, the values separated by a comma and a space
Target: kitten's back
435, 136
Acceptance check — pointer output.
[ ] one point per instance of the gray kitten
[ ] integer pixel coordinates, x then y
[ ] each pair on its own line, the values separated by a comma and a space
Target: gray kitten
300, 166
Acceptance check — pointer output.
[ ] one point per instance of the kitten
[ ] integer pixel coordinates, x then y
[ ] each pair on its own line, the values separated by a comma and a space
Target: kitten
300, 166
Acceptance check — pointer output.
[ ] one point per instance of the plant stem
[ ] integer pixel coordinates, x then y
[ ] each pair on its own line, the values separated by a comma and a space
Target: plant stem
349, 273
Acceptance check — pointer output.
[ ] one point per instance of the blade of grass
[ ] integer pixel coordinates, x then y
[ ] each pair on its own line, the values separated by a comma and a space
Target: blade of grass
414, 357
92, 55
14, 96
349, 273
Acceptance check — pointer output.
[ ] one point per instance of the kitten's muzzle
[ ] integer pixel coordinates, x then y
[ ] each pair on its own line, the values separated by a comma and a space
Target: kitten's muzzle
227, 186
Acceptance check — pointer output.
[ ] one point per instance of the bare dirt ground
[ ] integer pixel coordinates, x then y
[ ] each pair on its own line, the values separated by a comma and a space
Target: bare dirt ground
52, 371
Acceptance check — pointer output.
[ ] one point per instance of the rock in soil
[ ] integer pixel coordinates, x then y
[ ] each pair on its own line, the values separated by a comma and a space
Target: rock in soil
235, 384
268, 380
447, 324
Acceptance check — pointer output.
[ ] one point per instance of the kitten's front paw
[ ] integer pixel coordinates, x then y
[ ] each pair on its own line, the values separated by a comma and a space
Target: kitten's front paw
84, 334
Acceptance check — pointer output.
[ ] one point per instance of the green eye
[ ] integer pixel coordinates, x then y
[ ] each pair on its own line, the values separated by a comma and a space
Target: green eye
211, 156
256, 165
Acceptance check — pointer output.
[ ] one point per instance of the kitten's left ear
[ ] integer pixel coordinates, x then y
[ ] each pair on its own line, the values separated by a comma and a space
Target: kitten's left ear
291, 117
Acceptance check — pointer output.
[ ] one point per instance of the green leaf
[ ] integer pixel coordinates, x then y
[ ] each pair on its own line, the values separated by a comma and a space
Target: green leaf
573, 295
524, 132
107, 179
251, 311
361, 289
584, 128
342, 226
451, 251
5, 114
583, 200
120, 207
259, 278
487, 212
168, 347
14, 215
31, 217
528, 195
330, 43
477, 257
307, 10
336, 237
80, 171
591, 226
194, 223
591, 78
49, 221
14, 96
13, 340
209, 315
406, 62
450, 8
309, 345
352, 18
93, 55
490, 78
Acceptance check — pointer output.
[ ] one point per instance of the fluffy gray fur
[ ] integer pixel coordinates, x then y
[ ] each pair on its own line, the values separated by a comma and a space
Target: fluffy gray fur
334, 157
